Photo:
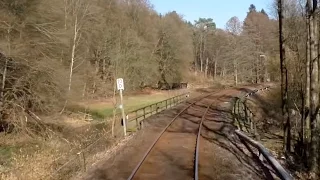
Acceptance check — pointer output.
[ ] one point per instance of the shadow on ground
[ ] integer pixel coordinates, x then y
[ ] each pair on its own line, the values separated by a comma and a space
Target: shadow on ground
220, 132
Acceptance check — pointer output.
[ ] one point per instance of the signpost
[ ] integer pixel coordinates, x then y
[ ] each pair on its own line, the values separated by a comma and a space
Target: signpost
120, 87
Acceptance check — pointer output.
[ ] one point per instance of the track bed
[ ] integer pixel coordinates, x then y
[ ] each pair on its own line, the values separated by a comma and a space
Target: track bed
221, 155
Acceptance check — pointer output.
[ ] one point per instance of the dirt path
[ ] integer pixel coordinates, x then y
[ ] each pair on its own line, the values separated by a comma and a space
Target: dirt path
221, 154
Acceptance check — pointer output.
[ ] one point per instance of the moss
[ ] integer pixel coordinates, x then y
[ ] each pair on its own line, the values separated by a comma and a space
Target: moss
6, 155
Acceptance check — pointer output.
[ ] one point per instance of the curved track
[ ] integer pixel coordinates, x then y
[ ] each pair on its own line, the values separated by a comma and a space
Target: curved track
196, 163
136, 174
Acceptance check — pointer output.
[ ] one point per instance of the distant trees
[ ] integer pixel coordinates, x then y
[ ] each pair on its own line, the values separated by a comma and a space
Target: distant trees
81, 47
202, 28
62, 50
260, 32
220, 53
172, 51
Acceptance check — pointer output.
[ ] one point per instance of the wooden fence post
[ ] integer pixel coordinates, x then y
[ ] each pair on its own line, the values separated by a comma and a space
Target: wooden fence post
166, 104
157, 107
239, 109
137, 123
246, 112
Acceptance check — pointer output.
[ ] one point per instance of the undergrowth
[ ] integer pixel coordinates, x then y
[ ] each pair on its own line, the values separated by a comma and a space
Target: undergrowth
53, 155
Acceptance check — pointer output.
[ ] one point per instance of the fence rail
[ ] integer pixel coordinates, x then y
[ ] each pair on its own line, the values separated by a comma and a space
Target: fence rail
280, 171
244, 118
140, 114
243, 115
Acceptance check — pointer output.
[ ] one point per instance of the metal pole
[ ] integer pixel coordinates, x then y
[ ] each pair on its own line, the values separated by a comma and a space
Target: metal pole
123, 115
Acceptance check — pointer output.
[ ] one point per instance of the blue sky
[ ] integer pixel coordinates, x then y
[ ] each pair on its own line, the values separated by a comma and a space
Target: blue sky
219, 11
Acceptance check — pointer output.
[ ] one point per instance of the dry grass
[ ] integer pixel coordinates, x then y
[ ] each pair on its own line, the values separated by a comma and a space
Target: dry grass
267, 109
55, 154
52, 157
33, 165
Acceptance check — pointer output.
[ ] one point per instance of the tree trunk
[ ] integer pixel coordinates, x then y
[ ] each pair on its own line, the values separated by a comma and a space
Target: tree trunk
114, 112
201, 53
75, 37
307, 135
196, 60
65, 14
3, 83
314, 91
4, 76
207, 67
2, 90
84, 90
96, 64
266, 78
235, 68
215, 69
257, 71
104, 73
223, 70
284, 82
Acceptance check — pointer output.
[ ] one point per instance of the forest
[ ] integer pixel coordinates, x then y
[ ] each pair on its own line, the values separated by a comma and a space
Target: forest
54, 53
52, 56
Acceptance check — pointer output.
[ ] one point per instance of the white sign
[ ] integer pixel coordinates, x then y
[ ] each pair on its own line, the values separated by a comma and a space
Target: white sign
120, 85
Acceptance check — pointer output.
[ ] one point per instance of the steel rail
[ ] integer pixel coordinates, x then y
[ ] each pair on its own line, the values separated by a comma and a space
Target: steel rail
196, 161
160, 135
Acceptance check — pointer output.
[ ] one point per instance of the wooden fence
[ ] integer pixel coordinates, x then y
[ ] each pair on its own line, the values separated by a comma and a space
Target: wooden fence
244, 117
136, 117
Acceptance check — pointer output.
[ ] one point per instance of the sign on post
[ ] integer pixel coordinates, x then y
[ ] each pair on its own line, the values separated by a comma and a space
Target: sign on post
120, 87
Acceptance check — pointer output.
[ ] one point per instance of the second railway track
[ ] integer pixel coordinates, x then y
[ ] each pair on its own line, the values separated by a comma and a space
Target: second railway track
175, 152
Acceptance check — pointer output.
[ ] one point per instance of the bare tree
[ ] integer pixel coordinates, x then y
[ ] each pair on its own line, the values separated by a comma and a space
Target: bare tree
284, 81
233, 26
78, 12
314, 82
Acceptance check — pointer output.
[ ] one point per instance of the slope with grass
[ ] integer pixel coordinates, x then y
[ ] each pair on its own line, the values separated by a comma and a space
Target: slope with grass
54, 152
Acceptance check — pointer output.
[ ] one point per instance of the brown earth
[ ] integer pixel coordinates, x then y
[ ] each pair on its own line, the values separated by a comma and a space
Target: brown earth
222, 156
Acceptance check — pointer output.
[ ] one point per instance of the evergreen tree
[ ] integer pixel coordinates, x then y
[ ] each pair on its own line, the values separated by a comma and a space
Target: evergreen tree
252, 8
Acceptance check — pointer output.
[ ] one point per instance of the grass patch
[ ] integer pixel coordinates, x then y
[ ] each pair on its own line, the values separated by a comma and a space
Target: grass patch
6, 154
101, 111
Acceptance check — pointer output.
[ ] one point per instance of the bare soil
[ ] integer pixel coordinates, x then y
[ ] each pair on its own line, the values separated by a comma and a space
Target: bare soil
222, 156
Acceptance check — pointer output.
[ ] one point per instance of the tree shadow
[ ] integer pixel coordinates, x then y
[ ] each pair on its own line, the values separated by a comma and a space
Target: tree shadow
222, 133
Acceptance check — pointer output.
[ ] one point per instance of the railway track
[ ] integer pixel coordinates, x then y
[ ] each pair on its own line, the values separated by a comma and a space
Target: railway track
149, 166
191, 141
